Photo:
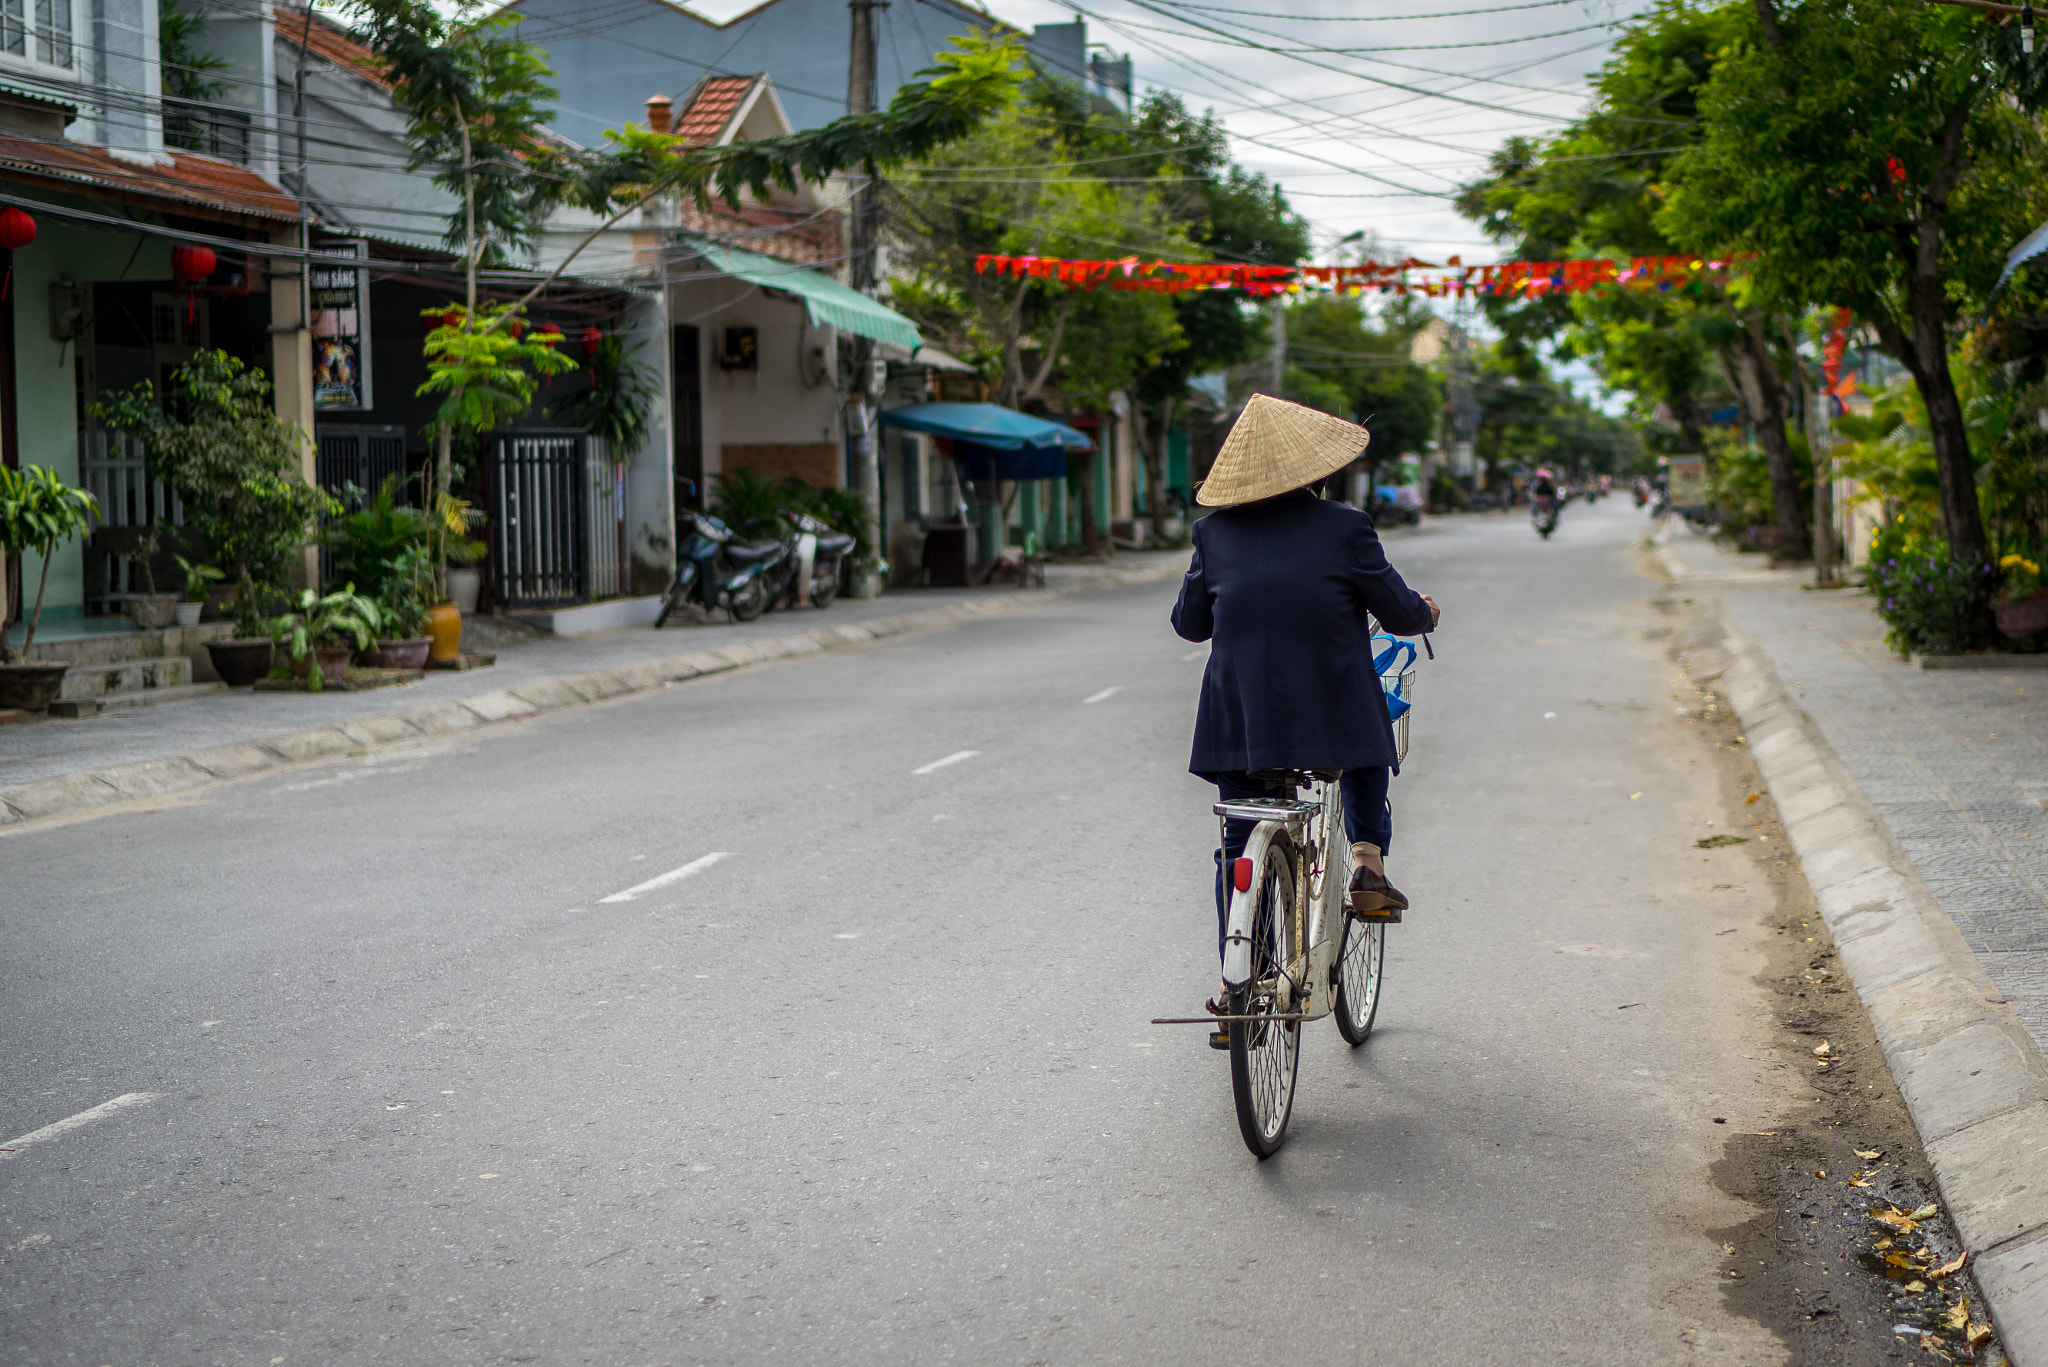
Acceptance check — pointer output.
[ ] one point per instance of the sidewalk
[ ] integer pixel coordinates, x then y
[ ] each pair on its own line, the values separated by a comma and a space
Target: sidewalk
50, 767
1917, 802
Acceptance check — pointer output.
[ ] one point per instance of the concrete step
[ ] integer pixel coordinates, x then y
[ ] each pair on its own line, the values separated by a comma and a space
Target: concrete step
98, 682
148, 697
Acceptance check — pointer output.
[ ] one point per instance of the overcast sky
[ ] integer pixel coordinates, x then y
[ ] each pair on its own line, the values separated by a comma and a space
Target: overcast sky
1374, 140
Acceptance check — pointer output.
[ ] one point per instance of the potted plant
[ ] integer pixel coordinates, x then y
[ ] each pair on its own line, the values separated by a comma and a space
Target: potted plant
402, 613
2021, 604
324, 629
218, 443
453, 547
151, 611
199, 580
38, 512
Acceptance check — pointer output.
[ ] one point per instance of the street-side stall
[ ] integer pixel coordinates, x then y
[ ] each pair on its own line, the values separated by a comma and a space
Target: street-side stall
1006, 463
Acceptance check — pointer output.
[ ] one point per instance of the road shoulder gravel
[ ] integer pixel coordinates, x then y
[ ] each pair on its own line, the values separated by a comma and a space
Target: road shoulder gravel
1970, 1073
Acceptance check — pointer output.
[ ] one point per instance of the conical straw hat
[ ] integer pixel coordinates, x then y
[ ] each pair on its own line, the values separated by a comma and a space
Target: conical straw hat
1277, 446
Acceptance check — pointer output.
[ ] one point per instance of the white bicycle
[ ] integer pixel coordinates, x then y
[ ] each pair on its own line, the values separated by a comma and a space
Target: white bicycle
1291, 952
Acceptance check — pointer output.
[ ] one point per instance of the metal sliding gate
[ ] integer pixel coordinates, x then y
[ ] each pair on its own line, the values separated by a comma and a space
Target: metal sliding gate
557, 519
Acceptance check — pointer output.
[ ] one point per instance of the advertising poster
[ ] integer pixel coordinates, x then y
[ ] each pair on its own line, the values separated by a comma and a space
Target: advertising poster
341, 332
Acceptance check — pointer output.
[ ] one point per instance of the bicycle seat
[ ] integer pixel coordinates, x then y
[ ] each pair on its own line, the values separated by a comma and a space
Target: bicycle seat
742, 553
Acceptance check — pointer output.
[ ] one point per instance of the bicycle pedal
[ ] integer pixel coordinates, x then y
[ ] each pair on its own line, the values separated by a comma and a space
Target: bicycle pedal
1219, 1039
1390, 916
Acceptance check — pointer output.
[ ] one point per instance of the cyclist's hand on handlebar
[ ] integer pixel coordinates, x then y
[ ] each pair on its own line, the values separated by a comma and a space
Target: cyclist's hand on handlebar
1435, 613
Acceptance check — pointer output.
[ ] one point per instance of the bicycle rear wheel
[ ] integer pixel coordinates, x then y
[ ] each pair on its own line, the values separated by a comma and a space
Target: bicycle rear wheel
1358, 978
1265, 1055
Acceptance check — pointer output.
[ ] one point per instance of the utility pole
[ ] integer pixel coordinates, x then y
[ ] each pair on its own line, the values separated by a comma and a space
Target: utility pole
1279, 376
866, 472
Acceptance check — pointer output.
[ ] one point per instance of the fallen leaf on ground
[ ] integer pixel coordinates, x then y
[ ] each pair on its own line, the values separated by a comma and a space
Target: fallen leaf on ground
1914, 1288
1633, 796
1896, 1220
1822, 1048
1978, 1334
1952, 1266
1958, 1316
1715, 841
1899, 1259
1923, 1212
1868, 1153
1854, 1183
1882, 1244
1751, 798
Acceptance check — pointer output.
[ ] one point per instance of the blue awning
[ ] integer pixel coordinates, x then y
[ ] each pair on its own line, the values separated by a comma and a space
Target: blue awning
990, 441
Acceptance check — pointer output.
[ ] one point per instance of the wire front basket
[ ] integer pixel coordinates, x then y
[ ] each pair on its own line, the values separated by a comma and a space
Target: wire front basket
1400, 686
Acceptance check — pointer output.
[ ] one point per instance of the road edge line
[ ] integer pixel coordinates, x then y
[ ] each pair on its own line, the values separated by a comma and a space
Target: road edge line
1973, 1079
67, 795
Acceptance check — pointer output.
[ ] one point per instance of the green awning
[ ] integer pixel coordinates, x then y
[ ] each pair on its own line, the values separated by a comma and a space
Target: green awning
829, 302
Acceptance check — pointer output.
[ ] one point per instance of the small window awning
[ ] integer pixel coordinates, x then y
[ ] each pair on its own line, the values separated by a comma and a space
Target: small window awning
994, 442
829, 303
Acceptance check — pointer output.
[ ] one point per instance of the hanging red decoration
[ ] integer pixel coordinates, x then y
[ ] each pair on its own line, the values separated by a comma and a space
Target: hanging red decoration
17, 230
190, 266
590, 337
551, 328
550, 332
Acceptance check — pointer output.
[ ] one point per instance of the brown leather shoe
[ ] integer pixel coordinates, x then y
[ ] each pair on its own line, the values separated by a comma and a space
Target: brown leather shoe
1373, 898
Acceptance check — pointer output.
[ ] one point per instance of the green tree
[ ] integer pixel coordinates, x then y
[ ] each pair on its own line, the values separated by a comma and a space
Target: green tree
38, 512
1597, 189
1340, 359
1874, 154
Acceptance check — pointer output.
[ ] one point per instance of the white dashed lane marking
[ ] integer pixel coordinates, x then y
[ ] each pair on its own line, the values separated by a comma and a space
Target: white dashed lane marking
69, 1123
953, 758
672, 876
1109, 692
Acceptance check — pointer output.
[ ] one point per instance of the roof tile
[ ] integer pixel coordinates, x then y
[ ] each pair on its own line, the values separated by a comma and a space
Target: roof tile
189, 177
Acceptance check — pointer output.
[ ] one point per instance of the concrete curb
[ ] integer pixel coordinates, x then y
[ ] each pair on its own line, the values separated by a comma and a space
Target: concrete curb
1972, 1077
70, 794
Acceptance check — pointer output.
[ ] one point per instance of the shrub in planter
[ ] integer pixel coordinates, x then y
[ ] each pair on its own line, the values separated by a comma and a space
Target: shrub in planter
1932, 602
319, 624
38, 512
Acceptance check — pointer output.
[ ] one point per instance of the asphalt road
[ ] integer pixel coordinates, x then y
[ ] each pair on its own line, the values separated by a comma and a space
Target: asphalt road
877, 1086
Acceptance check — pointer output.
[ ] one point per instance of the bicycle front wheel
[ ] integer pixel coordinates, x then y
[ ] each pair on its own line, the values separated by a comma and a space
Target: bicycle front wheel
1358, 978
1266, 1054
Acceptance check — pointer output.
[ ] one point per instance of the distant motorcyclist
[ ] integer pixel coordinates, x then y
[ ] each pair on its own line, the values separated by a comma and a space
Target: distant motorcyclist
1545, 485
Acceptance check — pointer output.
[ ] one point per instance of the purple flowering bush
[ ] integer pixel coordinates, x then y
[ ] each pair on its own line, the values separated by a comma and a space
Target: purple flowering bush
1933, 603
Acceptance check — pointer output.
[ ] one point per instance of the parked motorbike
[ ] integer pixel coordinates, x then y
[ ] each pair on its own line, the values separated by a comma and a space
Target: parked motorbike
715, 569
1386, 512
814, 565
1543, 515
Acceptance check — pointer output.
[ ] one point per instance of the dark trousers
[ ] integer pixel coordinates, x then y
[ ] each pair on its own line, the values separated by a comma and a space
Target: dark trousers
1368, 817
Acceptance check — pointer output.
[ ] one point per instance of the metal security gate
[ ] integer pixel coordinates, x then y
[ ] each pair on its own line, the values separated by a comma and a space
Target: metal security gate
363, 456
539, 508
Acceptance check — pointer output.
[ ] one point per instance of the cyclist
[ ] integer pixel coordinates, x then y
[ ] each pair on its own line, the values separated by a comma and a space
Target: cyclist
1282, 582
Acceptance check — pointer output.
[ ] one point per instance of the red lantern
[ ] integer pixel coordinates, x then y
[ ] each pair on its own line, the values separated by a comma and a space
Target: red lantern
190, 266
551, 328
590, 337
515, 329
17, 230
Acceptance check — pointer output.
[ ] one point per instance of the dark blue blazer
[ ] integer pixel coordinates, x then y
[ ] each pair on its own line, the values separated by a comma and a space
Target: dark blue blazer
1283, 587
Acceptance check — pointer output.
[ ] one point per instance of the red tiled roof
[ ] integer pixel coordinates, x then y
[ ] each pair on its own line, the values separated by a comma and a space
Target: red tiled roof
710, 108
330, 40
189, 178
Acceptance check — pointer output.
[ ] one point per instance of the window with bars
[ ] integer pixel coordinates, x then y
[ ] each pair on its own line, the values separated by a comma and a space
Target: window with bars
208, 129
37, 31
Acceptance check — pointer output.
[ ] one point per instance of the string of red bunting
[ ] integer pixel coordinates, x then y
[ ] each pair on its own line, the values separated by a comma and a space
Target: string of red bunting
1450, 278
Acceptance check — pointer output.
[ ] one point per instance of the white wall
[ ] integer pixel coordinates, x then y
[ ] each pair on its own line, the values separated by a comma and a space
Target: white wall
789, 400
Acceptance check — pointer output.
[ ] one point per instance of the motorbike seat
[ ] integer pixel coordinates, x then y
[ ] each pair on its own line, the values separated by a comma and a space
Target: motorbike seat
834, 543
742, 553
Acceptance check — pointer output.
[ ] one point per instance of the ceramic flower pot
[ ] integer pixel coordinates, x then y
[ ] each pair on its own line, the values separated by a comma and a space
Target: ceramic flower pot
187, 614
31, 686
2021, 619
240, 661
444, 627
465, 585
152, 612
399, 654
333, 663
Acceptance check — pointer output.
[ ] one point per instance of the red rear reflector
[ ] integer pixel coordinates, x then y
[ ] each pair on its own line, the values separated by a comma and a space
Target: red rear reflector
1241, 874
